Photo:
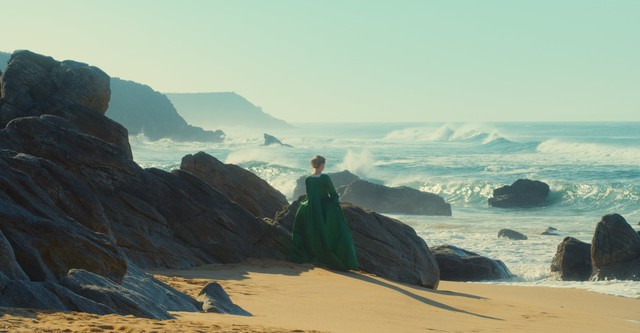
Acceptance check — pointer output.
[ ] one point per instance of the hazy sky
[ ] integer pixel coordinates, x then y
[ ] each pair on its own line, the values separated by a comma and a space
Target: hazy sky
346, 60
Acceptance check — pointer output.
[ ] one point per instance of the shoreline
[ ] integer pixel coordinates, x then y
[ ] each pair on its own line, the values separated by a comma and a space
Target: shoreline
287, 297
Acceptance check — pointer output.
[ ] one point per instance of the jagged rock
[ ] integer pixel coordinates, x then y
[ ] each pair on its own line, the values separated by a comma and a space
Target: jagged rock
339, 179
384, 246
215, 299
572, 260
140, 301
74, 201
457, 264
272, 140
512, 234
34, 85
615, 250
522, 193
242, 186
394, 200
143, 110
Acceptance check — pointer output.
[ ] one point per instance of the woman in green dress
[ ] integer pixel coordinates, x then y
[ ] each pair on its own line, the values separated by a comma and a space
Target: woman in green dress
320, 232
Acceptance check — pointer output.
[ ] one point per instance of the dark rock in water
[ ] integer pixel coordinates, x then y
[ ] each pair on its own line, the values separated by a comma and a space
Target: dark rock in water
572, 260
215, 299
523, 193
339, 179
242, 186
394, 200
384, 246
272, 140
143, 110
615, 250
551, 231
457, 264
33, 85
512, 234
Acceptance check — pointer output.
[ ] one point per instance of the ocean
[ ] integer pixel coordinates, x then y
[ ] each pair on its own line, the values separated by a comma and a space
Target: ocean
591, 168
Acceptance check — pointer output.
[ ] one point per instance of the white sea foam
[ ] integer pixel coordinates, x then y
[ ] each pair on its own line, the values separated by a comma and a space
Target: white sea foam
599, 153
358, 162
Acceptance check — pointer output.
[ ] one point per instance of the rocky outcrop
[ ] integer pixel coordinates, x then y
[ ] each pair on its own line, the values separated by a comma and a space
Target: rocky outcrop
512, 234
33, 85
615, 250
572, 260
143, 110
394, 200
457, 264
523, 193
223, 109
384, 246
76, 213
272, 140
242, 186
339, 179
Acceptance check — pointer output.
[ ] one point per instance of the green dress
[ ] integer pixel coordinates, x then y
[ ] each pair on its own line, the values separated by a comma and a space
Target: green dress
320, 232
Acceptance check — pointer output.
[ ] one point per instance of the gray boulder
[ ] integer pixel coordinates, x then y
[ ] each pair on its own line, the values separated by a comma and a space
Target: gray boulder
523, 193
384, 246
457, 264
33, 85
512, 234
339, 179
615, 250
215, 299
572, 260
394, 200
240, 185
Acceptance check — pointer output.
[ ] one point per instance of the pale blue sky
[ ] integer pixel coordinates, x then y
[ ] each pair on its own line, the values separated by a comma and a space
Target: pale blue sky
333, 61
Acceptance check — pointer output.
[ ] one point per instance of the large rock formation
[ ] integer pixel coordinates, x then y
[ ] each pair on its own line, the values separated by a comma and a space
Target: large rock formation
384, 246
457, 264
34, 84
522, 193
339, 179
394, 200
572, 260
615, 250
143, 110
223, 109
75, 208
242, 186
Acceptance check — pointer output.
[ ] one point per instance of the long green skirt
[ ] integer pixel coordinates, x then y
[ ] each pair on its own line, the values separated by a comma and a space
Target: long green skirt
321, 236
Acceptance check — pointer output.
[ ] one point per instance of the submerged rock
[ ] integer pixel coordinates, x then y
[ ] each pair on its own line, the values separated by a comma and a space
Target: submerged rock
272, 140
512, 234
523, 193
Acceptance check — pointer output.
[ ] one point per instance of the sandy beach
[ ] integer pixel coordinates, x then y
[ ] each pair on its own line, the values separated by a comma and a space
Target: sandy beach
285, 297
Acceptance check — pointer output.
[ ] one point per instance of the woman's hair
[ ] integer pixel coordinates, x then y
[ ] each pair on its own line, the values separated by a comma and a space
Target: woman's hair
317, 161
